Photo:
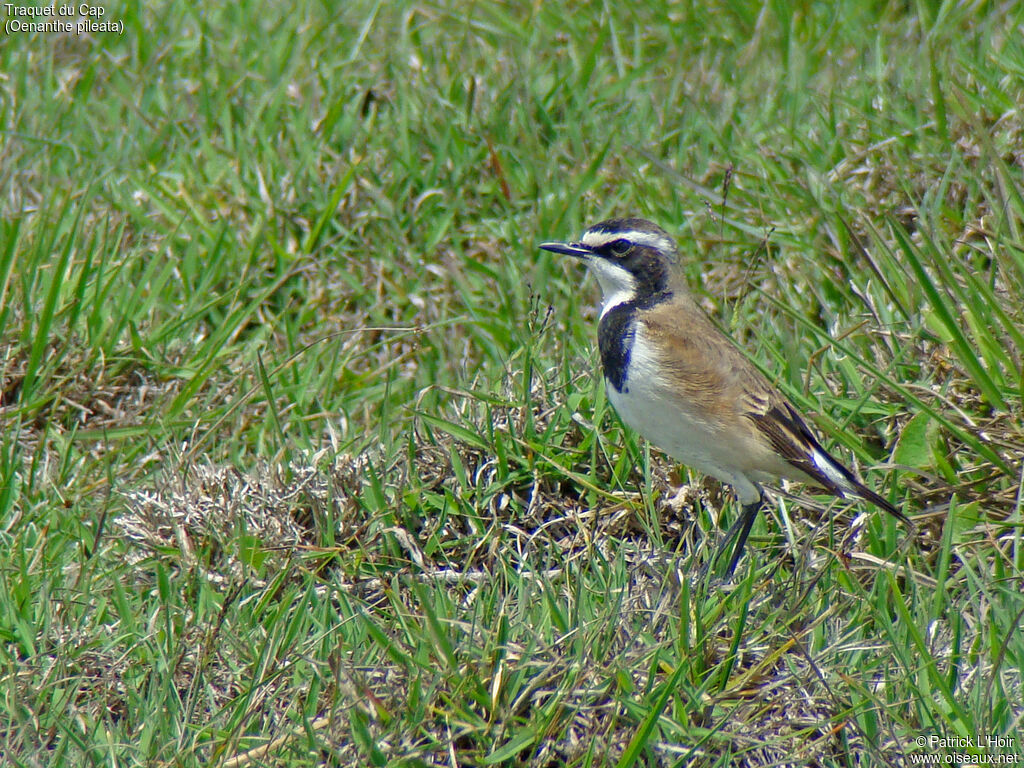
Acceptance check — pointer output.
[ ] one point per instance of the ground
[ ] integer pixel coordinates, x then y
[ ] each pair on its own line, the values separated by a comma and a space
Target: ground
305, 459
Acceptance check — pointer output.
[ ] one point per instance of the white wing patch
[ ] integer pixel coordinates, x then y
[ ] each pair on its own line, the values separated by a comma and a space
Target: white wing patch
828, 468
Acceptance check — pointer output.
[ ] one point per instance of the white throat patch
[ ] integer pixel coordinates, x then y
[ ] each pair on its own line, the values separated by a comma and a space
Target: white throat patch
617, 284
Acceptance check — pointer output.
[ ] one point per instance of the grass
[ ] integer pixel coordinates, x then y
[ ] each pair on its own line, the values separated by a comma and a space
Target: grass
304, 459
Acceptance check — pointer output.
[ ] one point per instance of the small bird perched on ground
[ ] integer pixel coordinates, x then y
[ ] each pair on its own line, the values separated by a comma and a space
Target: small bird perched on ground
675, 378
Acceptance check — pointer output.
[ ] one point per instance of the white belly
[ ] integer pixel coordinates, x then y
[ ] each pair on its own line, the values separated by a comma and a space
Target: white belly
679, 434
680, 431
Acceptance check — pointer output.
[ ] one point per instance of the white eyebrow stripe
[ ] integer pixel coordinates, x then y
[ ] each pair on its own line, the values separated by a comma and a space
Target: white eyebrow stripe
650, 239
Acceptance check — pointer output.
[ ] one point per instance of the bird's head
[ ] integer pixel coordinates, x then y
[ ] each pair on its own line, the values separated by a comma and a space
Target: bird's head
632, 259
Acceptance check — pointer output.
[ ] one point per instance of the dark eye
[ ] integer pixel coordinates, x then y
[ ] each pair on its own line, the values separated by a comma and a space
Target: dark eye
620, 247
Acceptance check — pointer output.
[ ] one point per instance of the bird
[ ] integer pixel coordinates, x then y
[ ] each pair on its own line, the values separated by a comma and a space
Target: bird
682, 383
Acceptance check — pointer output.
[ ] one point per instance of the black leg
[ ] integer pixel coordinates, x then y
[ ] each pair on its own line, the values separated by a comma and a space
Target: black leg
743, 525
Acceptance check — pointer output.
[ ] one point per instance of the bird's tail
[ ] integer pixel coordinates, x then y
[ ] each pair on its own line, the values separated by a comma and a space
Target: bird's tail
844, 483
793, 439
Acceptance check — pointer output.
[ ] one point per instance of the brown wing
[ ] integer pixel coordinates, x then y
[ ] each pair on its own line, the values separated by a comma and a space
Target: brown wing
790, 436
717, 380
792, 439
699, 360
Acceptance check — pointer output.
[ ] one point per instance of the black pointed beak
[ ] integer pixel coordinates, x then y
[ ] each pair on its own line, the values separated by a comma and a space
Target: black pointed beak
578, 250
